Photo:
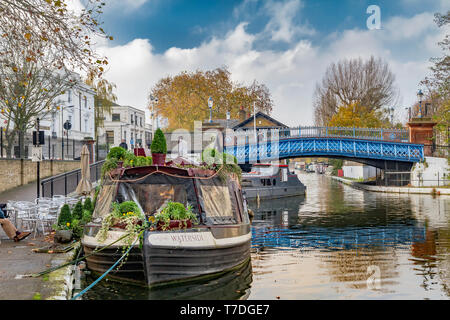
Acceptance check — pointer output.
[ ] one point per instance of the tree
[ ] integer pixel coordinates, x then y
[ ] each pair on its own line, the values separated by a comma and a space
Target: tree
41, 41
356, 115
369, 83
28, 87
438, 84
184, 97
69, 35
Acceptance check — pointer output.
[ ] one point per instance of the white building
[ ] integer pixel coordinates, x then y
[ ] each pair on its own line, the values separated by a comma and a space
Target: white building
357, 170
75, 106
127, 123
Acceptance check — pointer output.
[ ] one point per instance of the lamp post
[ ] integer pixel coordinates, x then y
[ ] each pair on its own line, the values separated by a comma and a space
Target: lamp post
210, 105
409, 113
420, 96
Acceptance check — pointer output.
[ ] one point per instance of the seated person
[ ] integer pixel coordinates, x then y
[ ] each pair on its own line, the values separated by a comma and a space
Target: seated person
10, 230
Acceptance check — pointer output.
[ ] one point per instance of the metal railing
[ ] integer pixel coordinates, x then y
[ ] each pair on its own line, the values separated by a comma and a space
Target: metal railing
403, 179
380, 134
66, 183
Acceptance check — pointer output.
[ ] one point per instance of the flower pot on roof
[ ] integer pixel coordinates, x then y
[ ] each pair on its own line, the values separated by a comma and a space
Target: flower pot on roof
159, 148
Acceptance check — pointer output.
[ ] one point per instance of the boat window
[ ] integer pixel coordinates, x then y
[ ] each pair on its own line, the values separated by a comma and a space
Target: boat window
268, 182
263, 182
284, 175
153, 196
216, 201
274, 182
266, 171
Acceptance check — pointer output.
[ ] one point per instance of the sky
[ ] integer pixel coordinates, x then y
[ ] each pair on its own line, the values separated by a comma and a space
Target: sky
287, 45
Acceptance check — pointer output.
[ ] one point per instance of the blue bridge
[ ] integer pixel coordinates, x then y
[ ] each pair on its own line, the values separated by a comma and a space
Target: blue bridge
381, 148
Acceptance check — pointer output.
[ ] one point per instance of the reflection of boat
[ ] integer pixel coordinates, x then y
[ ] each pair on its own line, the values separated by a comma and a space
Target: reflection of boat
220, 242
271, 181
231, 285
282, 212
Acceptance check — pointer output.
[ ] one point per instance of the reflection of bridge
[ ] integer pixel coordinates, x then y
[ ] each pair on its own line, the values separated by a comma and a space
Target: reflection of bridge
382, 148
334, 238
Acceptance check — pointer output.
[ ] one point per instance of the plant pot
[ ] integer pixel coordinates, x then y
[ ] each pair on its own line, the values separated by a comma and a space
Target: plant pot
63, 236
175, 224
159, 159
118, 223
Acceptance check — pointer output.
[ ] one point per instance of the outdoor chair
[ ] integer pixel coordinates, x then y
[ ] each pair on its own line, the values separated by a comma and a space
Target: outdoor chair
26, 216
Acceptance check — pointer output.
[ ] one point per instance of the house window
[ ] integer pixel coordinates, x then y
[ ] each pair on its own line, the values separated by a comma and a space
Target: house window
85, 102
110, 137
131, 119
116, 117
140, 119
69, 96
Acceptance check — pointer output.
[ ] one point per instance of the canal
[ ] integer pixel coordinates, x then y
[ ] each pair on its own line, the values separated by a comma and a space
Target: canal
334, 243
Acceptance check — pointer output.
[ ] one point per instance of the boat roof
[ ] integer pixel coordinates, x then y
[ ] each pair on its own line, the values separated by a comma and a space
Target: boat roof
270, 165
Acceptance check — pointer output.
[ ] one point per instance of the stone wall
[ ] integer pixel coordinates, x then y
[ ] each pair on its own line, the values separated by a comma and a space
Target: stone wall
17, 172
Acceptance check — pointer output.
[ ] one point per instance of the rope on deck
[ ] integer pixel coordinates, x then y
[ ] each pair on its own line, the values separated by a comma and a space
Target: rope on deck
106, 272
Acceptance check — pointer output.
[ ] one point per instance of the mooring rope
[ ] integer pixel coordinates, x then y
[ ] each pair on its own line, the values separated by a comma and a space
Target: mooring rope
107, 271
35, 275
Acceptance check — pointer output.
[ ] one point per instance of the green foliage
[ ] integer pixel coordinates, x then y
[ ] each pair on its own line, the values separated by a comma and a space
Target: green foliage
88, 205
65, 216
77, 212
212, 156
110, 164
175, 211
87, 216
142, 161
129, 206
117, 153
97, 191
337, 164
159, 142
77, 228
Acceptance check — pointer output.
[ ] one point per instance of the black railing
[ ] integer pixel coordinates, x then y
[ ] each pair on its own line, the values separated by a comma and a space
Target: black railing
66, 183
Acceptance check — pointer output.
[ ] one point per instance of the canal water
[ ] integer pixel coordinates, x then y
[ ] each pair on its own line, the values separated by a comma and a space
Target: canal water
334, 243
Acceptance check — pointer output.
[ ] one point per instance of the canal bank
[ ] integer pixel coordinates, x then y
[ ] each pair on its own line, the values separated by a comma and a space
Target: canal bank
408, 190
19, 260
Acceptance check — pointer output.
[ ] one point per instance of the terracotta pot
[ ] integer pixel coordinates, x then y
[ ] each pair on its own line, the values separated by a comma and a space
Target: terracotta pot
175, 224
159, 159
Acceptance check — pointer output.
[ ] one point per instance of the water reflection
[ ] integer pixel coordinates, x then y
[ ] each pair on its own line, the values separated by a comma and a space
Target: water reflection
338, 239
334, 243
233, 285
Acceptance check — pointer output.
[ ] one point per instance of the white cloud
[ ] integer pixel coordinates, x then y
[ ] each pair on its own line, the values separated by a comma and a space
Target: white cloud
290, 75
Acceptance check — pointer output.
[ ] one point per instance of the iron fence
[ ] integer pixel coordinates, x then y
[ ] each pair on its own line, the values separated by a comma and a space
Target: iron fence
403, 179
54, 148
66, 183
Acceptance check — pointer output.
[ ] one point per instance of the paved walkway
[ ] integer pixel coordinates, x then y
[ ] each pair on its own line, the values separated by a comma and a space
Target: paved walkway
26, 192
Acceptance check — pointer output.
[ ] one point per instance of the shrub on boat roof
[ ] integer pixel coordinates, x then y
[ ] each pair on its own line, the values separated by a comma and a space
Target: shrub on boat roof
77, 212
212, 156
159, 142
118, 153
64, 216
129, 206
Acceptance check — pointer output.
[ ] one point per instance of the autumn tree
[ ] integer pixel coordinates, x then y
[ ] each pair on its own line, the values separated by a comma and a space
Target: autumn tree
357, 115
69, 35
369, 83
184, 98
41, 42
438, 83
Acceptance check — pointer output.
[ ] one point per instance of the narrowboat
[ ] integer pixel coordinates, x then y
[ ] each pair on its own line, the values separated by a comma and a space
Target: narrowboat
217, 243
271, 181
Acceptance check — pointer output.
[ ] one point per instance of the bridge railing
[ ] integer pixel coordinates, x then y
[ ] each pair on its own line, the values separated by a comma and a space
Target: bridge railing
381, 134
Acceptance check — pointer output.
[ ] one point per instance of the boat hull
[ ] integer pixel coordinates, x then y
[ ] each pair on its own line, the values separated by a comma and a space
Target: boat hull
175, 257
171, 256
273, 192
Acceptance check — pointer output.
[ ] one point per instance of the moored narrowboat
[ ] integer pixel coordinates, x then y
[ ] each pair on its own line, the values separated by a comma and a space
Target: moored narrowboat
217, 240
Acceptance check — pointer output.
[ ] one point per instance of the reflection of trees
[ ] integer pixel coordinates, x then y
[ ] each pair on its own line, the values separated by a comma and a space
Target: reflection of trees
425, 252
350, 266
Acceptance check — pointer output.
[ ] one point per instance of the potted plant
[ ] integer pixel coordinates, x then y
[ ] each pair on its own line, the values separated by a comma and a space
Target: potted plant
175, 216
63, 228
159, 148
125, 215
